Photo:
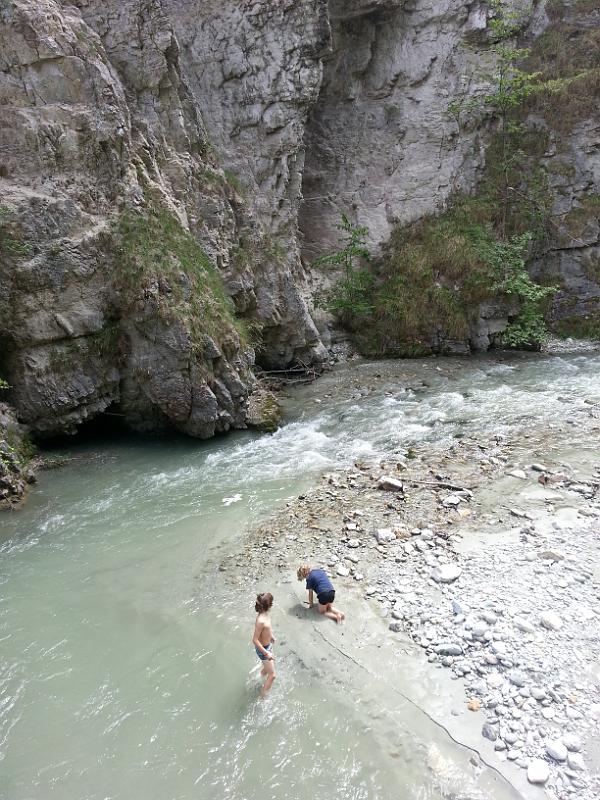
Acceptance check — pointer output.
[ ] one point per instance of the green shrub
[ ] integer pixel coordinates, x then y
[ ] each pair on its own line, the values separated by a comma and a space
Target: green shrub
348, 297
12, 243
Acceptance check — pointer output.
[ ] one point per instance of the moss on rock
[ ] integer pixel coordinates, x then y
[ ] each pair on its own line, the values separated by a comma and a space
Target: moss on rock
158, 256
264, 410
16, 452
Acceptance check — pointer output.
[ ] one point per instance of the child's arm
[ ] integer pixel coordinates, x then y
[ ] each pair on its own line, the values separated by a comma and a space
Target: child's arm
310, 598
257, 642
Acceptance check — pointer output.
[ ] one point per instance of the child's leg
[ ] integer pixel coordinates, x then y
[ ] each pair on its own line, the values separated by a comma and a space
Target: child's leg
328, 611
340, 614
269, 671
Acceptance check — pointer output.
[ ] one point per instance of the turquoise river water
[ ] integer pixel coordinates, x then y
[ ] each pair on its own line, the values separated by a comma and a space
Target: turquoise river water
125, 660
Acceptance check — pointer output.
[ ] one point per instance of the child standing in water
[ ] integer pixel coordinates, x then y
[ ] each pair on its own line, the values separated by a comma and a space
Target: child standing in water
264, 640
318, 582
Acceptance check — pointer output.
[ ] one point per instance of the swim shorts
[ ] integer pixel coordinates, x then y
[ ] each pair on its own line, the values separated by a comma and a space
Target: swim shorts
326, 597
260, 654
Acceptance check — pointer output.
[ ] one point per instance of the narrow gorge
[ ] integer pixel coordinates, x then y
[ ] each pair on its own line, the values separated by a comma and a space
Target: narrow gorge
204, 206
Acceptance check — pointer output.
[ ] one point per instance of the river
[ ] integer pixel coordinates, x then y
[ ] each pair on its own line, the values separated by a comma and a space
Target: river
126, 668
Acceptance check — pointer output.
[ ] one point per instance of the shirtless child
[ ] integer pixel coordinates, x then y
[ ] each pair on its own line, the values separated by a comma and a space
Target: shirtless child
317, 582
264, 640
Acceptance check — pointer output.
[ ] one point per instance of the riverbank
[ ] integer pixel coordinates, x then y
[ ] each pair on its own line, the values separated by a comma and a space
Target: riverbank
477, 566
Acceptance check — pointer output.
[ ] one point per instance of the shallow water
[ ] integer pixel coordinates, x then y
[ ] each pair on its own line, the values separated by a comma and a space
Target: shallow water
126, 668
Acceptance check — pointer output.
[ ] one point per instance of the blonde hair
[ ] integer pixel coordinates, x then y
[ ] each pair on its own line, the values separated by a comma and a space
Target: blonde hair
303, 571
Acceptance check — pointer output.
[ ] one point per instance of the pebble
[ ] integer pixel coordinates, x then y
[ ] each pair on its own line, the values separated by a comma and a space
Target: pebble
495, 680
390, 484
451, 501
523, 625
342, 571
538, 771
551, 555
384, 535
556, 750
489, 732
551, 621
572, 742
446, 573
575, 761
518, 473
458, 608
500, 648
448, 649
517, 678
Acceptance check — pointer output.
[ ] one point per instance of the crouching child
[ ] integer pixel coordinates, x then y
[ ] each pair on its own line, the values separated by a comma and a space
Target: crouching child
318, 583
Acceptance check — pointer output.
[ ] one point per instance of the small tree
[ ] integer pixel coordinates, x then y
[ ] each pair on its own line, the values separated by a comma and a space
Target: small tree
515, 193
510, 87
350, 294
506, 262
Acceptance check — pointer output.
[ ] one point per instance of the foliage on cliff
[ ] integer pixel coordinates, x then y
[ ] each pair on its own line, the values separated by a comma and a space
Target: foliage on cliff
158, 257
435, 273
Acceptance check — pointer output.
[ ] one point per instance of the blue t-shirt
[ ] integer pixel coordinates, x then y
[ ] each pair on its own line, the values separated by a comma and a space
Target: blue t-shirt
318, 581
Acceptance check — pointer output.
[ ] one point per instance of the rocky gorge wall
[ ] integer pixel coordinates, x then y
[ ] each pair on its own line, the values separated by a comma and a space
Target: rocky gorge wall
170, 169
380, 142
134, 274
384, 148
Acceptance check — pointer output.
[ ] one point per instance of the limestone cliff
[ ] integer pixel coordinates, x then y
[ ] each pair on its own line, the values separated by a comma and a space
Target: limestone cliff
381, 144
384, 148
135, 272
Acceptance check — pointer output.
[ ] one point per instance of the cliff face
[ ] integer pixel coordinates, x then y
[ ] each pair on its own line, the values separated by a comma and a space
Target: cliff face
134, 273
158, 160
566, 47
384, 148
255, 71
381, 145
